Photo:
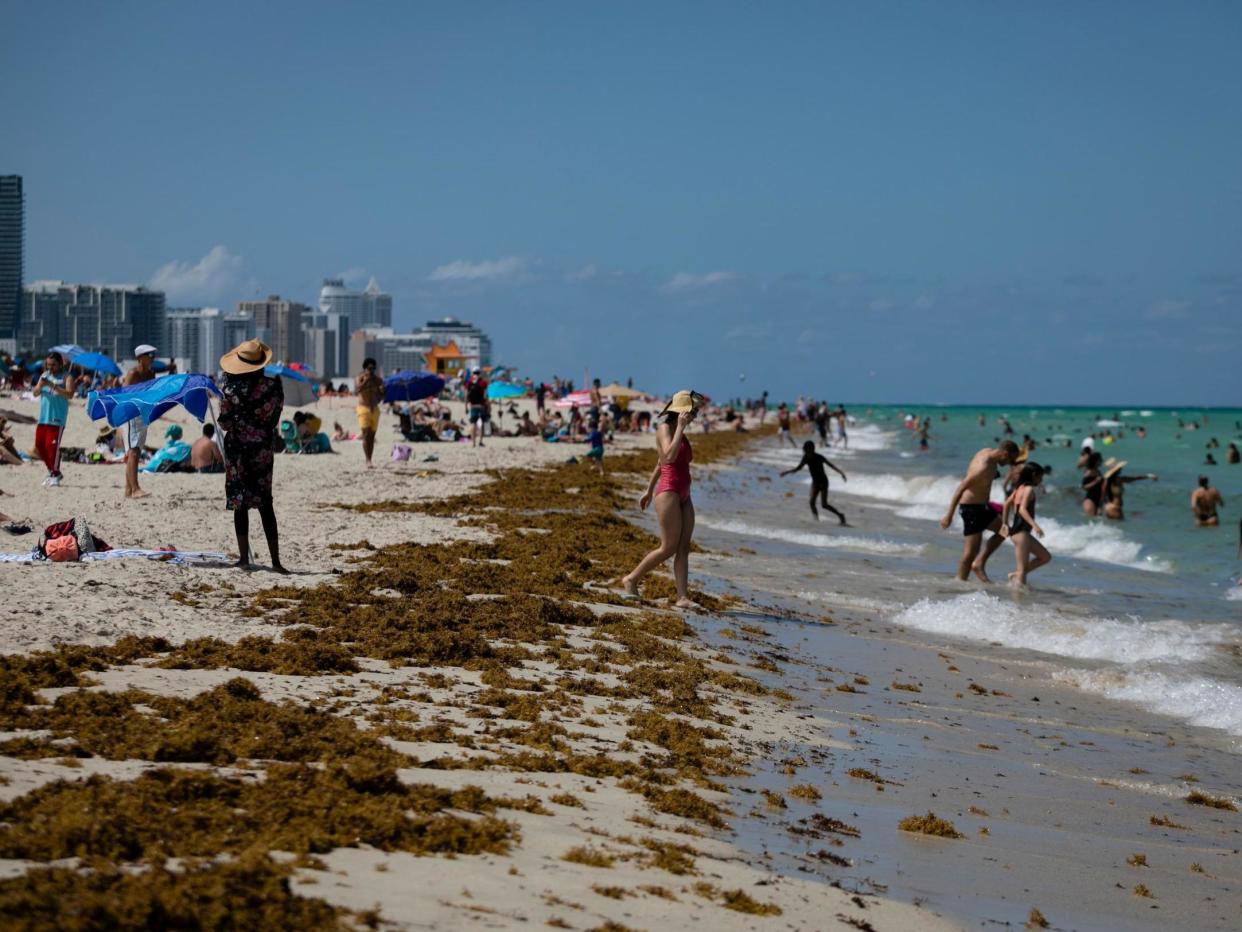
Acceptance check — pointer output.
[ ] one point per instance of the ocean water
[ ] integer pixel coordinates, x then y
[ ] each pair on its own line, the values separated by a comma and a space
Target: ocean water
1145, 611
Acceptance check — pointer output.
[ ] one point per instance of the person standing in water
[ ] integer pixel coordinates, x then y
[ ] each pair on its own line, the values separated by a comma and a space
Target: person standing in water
783, 425
1203, 503
669, 489
1022, 528
815, 463
970, 499
1092, 485
1115, 488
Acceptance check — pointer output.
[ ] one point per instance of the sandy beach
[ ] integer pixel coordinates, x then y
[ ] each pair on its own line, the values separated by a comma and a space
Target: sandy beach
448, 720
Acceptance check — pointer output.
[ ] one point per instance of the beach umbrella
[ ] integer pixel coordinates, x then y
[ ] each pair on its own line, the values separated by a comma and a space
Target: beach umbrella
148, 401
68, 350
581, 399
299, 390
96, 362
498, 390
411, 386
617, 390
159, 365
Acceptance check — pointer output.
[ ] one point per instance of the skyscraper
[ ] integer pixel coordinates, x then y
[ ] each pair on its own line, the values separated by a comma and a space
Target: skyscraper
278, 323
12, 257
112, 319
371, 306
195, 337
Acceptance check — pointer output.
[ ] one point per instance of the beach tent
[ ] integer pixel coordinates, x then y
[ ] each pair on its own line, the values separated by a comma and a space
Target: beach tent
498, 390
299, 390
96, 362
148, 401
411, 386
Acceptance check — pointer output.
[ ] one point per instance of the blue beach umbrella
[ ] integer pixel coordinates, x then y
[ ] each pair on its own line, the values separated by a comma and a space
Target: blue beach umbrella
498, 390
148, 401
96, 362
299, 390
411, 386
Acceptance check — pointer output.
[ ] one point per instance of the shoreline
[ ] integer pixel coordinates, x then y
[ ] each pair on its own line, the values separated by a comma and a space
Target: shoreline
602, 800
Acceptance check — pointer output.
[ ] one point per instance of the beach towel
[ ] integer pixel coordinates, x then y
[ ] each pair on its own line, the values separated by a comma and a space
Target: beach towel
177, 557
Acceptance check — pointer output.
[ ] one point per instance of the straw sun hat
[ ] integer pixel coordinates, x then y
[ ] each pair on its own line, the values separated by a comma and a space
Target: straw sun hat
1113, 466
250, 356
684, 400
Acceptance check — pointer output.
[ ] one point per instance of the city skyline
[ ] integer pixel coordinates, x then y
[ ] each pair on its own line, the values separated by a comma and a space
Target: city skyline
950, 202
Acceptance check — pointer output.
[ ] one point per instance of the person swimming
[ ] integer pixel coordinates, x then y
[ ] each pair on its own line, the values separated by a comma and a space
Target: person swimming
815, 463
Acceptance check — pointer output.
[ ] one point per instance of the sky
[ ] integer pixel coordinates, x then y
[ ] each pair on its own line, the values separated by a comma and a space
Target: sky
901, 202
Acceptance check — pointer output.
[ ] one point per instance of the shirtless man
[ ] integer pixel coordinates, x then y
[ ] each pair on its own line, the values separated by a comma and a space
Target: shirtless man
783, 423
971, 499
1204, 501
815, 463
136, 430
370, 390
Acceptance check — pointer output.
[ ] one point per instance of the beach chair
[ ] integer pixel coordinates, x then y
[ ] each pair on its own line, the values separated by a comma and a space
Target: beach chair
289, 433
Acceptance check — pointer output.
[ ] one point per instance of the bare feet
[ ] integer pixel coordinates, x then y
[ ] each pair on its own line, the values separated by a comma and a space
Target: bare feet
242, 565
687, 603
1015, 579
629, 587
139, 494
977, 569
277, 568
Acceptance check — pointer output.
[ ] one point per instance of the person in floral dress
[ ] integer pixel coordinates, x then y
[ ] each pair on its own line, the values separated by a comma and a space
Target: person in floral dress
250, 415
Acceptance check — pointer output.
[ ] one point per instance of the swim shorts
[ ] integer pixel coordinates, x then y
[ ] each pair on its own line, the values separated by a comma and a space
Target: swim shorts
368, 418
596, 453
135, 435
975, 518
479, 413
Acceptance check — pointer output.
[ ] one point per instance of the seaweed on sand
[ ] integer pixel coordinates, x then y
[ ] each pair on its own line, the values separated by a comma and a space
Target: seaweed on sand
1195, 798
929, 824
250, 893
299, 808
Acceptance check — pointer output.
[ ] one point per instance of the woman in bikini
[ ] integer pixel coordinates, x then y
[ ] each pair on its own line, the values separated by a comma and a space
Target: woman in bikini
669, 488
1019, 519
1093, 486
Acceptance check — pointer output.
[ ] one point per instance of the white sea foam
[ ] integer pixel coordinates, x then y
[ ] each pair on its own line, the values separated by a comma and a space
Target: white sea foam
1199, 700
925, 498
983, 617
828, 541
1234, 594
845, 599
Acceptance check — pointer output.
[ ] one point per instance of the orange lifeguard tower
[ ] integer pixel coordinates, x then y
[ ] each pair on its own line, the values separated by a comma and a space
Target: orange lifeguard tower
445, 360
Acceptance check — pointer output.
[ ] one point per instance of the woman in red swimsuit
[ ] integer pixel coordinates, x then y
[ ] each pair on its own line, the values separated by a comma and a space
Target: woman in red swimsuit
669, 488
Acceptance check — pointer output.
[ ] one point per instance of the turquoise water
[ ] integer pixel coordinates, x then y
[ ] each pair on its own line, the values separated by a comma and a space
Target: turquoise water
1144, 611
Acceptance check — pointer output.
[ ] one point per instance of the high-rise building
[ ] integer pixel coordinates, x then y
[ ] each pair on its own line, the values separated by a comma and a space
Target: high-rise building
370, 307
195, 338
474, 344
12, 258
278, 323
394, 352
236, 328
326, 343
111, 319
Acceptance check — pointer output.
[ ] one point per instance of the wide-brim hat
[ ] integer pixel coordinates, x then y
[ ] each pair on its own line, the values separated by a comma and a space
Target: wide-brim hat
250, 356
1113, 466
684, 400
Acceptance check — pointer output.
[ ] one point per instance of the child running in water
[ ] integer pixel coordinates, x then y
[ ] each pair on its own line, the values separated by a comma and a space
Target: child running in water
1022, 527
815, 462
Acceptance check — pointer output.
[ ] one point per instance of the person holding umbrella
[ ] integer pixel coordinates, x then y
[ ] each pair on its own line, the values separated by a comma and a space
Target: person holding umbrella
250, 406
136, 430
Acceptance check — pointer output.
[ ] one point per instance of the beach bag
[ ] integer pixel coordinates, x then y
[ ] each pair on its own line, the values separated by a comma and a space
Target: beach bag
400, 453
61, 549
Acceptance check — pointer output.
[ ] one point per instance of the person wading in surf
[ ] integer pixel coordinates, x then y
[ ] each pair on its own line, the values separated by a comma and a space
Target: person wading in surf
669, 488
815, 463
970, 498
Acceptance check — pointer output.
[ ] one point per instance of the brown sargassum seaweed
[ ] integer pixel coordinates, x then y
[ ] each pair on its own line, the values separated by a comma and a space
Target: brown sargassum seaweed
304, 779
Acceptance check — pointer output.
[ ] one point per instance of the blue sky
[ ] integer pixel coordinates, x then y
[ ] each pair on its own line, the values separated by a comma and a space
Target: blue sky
974, 202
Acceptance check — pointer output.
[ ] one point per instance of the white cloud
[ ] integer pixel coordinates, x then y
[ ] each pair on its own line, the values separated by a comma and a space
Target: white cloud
355, 273
206, 279
586, 273
465, 271
687, 281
